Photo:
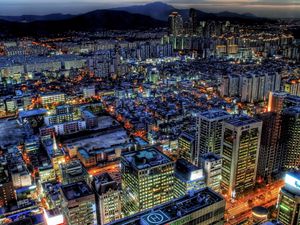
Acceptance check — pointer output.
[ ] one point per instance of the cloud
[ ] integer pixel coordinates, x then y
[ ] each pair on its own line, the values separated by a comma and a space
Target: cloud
237, 2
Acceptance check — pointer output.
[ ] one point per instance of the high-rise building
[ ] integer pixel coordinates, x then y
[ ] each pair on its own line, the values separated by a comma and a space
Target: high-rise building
209, 133
292, 87
175, 23
201, 208
78, 204
270, 157
276, 101
188, 178
230, 86
7, 192
272, 151
246, 88
289, 200
186, 146
290, 133
290, 101
193, 20
147, 179
250, 87
108, 198
279, 101
212, 164
242, 136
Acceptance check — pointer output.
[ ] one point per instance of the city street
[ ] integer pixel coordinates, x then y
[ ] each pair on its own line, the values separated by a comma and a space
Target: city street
240, 210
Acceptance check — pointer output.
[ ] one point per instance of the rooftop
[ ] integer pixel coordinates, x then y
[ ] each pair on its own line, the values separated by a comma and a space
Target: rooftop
187, 136
211, 157
292, 183
88, 114
146, 158
186, 171
272, 222
292, 110
214, 114
103, 183
174, 210
241, 120
100, 140
51, 94
30, 113
73, 169
76, 190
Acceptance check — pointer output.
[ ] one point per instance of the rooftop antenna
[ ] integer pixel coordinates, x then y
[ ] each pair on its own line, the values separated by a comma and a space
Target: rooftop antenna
55, 148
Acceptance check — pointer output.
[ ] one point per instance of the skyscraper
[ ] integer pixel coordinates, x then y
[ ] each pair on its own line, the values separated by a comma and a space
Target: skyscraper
193, 20
289, 200
147, 179
290, 141
272, 150
270, 159
209, 133
175, 23
186, 146
240, 154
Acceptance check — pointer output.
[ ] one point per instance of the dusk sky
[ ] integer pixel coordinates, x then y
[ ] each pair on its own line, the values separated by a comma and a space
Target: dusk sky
267, 8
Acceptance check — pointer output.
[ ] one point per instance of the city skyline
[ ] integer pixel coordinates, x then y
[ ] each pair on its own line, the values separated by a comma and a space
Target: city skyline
262, 8
124, 112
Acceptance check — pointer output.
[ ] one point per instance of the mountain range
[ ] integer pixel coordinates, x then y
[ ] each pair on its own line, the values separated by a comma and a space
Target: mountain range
152, 15
156, 10
161, 11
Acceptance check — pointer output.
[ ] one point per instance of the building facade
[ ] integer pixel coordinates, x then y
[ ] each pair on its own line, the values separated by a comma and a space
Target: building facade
78, 204
242, 136
290, 142
212, 164
108, 199
209, 133
147, 179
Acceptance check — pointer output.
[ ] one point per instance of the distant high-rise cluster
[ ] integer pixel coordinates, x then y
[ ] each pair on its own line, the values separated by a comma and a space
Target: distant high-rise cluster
176, 23
250, 87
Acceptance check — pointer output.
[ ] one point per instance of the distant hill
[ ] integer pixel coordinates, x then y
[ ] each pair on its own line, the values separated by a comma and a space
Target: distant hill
236, 15
92, 21
161, 11
156, 10
141, 17
31, 18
